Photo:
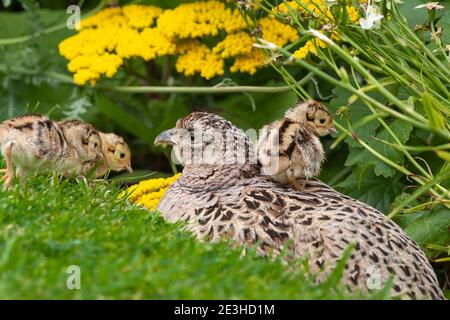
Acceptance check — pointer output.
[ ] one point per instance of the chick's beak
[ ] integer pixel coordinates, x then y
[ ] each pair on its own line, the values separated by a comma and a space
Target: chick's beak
333, 129
129, 168
166, 137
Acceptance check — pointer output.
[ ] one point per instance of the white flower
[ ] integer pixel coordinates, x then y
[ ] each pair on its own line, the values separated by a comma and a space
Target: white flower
373, 18
430, 6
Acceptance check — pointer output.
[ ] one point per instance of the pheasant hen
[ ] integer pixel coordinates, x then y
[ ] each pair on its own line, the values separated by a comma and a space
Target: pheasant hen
219, 199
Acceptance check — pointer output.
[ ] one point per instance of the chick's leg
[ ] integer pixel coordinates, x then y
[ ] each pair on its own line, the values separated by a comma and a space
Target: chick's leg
9, 175
298, 184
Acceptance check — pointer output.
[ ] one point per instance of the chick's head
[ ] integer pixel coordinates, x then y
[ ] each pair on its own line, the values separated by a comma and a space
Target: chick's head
116, 153
94, 146
314, 115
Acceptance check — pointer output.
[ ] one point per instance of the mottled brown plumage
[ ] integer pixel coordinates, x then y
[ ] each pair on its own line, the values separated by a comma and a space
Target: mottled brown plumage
234, 201
35, 144
289, 149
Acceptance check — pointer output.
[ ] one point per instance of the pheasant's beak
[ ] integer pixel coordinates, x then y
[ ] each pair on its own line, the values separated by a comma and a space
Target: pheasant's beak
167, 137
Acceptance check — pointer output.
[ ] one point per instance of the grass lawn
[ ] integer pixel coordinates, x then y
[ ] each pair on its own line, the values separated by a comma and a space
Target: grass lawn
126, 252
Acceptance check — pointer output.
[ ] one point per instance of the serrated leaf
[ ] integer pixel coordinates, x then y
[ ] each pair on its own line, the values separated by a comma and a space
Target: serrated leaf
430, 227
356, 111
401, 197
363, 157
402, 130
377, 191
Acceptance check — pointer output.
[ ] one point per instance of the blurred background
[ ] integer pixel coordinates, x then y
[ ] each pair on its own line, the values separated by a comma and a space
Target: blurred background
34, 78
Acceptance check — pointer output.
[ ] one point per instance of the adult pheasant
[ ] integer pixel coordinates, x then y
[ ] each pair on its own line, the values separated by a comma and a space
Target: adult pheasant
219, 198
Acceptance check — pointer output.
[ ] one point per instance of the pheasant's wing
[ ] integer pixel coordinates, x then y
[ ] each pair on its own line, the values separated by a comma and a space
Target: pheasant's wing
317, 224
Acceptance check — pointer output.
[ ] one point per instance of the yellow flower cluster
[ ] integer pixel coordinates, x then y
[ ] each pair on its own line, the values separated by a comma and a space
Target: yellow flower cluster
196, 57
110, 36
106, 39
276, 32
149, 192
200, 19
315, 9
309, 47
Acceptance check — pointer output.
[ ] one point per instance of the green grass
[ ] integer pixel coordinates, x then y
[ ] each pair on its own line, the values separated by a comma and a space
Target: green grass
126, 252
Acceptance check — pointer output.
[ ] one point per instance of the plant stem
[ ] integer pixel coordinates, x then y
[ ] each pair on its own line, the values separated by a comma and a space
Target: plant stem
421, 124
160, 89
386, 160
427, 186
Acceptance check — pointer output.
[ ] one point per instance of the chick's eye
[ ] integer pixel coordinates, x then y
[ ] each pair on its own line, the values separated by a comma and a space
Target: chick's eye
122, 155
322, 121
95, 144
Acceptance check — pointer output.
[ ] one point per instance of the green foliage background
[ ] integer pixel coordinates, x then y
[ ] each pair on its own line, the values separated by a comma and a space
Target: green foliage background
26, 86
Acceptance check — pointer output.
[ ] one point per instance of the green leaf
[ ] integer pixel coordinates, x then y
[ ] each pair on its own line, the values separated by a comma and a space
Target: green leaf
430, 227
363, 157
356, 111
435, 117
377, 191
443, 154
401, 197
402, 130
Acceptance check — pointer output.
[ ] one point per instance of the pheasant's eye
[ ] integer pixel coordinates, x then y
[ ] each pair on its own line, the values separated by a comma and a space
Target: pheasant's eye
322, 121
95, 144
122, 155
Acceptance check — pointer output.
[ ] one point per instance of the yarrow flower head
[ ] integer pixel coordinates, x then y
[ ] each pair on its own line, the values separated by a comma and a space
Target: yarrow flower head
205, 37
108, 38
322, 13
148, 193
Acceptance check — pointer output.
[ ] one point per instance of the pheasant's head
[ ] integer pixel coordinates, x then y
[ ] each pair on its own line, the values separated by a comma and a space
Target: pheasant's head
314, 115
203, 138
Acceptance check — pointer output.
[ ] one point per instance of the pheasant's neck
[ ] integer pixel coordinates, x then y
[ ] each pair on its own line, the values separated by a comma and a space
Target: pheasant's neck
213, 176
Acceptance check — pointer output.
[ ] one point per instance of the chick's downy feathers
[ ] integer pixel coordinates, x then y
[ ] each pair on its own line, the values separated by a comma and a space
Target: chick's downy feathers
35, 144
289, 150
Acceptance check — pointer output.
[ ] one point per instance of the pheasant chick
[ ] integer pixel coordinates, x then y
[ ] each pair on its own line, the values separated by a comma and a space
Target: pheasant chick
35, 144
289, 150
116, 156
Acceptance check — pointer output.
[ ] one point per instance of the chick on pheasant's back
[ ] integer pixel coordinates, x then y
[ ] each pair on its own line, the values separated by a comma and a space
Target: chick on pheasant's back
289, 150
